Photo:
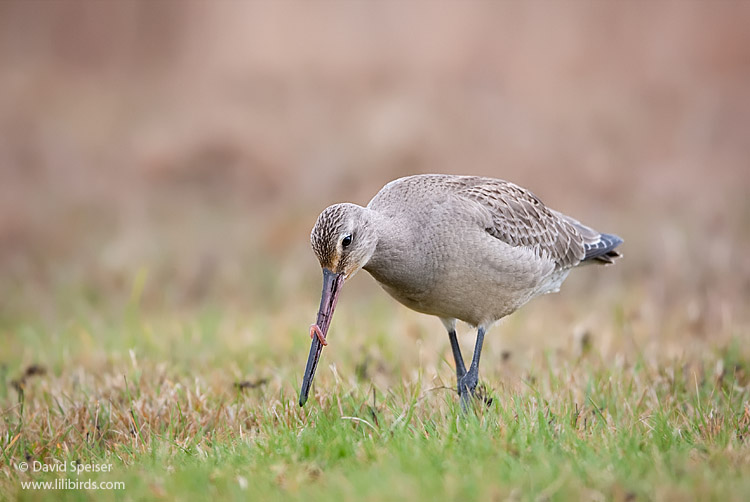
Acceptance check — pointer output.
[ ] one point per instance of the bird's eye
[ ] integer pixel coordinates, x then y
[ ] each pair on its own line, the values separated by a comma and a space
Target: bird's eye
346, 240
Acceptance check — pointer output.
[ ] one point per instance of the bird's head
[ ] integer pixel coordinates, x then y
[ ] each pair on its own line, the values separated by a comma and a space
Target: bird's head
344, 240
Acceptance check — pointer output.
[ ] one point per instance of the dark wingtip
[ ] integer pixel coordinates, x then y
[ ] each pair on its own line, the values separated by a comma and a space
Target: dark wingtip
615, 240
604, 248
603, 251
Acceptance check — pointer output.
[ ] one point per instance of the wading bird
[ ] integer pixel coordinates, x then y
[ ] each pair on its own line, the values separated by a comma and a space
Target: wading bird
456, 247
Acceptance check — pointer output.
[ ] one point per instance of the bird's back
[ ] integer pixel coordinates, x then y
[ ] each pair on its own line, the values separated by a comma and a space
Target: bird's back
478, 247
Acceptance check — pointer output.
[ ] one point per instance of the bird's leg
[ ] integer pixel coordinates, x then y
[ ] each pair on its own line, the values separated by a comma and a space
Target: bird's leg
468, 382
457, 357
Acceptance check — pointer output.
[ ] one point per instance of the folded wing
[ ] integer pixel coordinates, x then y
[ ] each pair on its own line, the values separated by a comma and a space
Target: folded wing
519, 218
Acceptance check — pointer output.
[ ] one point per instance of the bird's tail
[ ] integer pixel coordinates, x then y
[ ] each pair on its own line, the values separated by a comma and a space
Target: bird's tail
602, 251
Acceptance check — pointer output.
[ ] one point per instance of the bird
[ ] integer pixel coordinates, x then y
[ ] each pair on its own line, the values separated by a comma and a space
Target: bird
466, 248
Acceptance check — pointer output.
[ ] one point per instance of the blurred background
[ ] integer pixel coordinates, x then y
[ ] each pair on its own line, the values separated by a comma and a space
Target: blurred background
184, 149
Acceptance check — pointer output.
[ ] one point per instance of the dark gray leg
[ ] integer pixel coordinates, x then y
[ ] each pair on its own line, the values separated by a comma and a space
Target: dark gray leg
460, 367
468, 382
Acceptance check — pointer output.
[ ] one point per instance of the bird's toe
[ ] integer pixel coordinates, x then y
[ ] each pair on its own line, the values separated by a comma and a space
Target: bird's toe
467, 384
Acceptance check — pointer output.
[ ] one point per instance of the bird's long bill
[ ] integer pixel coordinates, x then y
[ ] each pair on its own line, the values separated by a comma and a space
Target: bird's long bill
331, 286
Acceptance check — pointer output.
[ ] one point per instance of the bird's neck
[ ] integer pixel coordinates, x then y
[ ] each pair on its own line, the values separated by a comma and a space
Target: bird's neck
396, 260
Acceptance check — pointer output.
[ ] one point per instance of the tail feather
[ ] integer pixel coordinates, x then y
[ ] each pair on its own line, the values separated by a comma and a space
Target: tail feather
603, 250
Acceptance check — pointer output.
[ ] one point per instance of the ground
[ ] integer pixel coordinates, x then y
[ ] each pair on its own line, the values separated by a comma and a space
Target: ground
205, 406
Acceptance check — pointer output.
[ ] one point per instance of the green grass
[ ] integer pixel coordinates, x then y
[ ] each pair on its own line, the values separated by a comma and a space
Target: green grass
157, 399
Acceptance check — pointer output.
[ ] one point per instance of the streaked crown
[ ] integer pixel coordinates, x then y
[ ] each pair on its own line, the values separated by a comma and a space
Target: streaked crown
343, 238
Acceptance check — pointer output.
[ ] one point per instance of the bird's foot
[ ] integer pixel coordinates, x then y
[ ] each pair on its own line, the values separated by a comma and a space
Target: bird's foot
315, 331
466, 386
482, 395
469, 389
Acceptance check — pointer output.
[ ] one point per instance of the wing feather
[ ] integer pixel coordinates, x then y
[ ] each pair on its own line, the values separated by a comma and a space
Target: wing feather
515, 216
519, 218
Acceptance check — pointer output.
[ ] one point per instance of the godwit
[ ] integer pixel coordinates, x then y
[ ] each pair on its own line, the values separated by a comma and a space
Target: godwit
456, 247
